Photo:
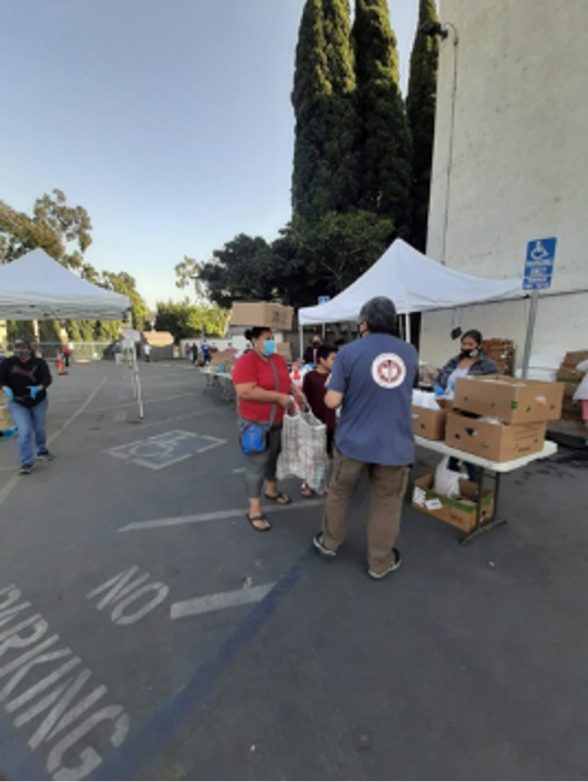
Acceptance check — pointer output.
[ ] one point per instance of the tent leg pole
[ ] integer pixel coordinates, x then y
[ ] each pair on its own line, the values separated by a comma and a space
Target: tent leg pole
408, 335
301, 336
530, 332
324, 330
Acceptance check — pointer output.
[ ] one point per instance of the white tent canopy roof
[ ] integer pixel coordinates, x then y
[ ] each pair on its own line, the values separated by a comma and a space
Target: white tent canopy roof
35, 287
414, 282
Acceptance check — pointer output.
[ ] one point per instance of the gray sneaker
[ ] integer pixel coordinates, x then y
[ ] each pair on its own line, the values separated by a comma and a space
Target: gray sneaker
396, 562
318, 543
46, 455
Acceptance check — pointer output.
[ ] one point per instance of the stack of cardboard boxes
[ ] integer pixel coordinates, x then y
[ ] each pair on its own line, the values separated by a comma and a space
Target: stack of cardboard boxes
495, 417
261, 313
502, 418
502, 352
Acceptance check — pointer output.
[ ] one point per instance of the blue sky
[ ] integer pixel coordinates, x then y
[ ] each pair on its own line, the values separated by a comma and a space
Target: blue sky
168, 120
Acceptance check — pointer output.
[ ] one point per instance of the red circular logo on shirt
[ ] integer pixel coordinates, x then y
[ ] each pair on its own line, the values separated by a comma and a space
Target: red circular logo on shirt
388, 370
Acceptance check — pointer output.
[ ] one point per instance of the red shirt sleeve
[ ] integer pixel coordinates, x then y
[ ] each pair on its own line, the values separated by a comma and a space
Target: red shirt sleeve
245, 370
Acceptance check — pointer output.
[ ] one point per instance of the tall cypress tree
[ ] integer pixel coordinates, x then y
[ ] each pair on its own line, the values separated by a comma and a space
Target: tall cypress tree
420, 105
385, 143
325, 176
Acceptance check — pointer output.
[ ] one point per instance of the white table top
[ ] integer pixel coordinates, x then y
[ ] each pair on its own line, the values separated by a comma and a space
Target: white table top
208, 371
439, 446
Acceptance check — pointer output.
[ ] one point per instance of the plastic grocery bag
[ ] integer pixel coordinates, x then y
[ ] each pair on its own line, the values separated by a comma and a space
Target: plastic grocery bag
304, 450
446, 480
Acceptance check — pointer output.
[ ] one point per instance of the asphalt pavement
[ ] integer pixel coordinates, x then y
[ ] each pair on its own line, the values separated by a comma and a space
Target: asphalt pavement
146, 631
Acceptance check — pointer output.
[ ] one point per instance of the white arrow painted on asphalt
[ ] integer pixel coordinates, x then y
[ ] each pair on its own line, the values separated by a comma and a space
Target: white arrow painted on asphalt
219, 601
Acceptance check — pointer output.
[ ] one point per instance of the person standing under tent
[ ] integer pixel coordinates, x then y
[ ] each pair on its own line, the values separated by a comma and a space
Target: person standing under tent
471, 361
25, 378
372, 381
311, 353
314, 388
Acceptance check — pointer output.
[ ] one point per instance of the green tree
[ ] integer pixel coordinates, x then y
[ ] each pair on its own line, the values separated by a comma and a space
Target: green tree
183, 319
126, 284
242, 270
385, 137
323, 257
188, 276
325, 173
63, 231
420, 107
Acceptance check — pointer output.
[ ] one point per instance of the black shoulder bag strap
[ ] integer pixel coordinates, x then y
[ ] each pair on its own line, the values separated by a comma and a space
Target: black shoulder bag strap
274, 408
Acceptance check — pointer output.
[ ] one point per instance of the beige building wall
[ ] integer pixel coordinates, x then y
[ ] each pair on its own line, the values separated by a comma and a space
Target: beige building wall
519, 163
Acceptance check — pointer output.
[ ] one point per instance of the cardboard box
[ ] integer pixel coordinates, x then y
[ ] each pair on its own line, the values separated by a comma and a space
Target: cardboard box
260, 313
224, 357
284, 349
573, 358
496, 442
429, 423
459, 512
509, 399
5, 419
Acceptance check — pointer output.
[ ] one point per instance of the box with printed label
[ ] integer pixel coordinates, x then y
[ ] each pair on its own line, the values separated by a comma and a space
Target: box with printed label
509, 399
460, 512
260, 313
494, 441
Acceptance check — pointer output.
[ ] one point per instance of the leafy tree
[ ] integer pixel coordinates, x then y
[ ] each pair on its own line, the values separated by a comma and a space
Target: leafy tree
183, 319
188, 275
126, 284
322, 257
420, 106
385, 139
242, 270
325, 174
62, 231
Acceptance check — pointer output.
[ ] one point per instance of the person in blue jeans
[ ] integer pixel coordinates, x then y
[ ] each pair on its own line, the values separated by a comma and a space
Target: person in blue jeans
24, 378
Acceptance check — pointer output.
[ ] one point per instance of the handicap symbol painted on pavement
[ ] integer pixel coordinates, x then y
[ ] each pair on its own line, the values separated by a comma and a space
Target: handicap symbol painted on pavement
165, 449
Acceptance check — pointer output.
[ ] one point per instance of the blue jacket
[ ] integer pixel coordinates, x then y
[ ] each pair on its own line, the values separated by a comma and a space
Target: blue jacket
483, 366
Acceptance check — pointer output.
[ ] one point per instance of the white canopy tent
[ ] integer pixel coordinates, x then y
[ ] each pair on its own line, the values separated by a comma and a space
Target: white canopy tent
415, 283
35, 287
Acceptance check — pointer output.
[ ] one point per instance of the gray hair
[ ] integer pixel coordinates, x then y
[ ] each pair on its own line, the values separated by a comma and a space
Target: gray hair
380, 315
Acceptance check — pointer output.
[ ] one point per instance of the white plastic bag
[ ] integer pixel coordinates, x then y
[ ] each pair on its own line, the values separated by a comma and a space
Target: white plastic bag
446, 480
304, 451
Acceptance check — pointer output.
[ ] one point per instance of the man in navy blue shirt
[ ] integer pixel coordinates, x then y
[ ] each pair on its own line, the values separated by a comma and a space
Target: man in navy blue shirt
372, 380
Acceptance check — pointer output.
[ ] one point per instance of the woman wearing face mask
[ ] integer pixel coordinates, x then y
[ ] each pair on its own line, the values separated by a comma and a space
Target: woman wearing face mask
24, 379
263, 388
471, 361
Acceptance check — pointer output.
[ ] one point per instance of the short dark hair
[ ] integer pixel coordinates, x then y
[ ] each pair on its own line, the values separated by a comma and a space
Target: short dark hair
473, 334
324, 352
256, 332
380, 315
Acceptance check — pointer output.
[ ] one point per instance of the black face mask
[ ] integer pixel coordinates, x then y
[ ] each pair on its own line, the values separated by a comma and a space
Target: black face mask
473, 353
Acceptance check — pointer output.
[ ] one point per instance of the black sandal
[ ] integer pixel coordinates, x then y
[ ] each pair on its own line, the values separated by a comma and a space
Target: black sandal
261, 517
279, 499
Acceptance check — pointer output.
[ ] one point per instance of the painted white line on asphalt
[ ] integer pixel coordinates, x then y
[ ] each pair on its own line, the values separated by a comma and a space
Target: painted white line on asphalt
145, 401
176, 521
240, 469
13, 482
219, 601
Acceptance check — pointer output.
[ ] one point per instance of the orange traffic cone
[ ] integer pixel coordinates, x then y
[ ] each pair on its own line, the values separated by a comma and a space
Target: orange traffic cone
61, 368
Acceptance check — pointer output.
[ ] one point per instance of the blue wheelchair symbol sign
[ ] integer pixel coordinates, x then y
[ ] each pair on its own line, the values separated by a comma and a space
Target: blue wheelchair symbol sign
539, 263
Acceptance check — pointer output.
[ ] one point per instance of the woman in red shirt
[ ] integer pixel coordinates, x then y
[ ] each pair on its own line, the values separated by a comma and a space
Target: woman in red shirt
263, 388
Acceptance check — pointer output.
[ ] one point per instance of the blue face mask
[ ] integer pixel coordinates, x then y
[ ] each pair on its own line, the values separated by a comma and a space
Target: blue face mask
269, 347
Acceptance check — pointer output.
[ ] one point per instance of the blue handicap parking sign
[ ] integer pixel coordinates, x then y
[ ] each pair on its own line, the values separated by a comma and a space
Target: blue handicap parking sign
538, 271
